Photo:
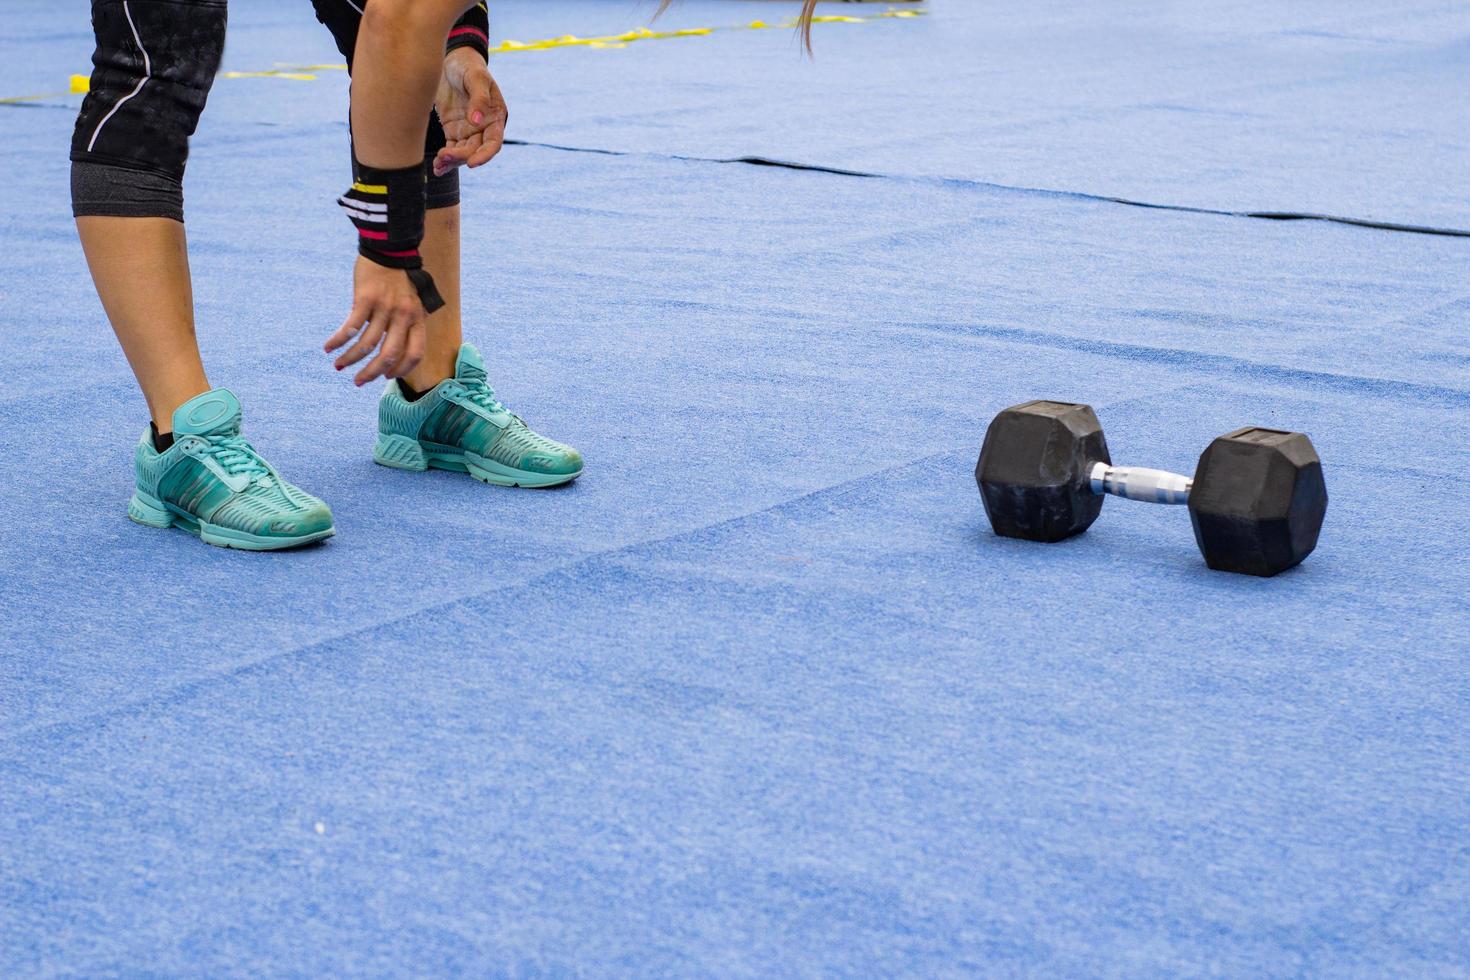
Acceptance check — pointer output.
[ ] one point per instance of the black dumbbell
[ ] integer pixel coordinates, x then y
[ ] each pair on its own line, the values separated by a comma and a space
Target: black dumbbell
1256, 500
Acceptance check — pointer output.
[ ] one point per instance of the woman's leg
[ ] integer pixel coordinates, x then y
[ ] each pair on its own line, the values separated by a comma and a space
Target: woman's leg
440, 246
440, 249
141, 269
152, 69
468, 431
154, 64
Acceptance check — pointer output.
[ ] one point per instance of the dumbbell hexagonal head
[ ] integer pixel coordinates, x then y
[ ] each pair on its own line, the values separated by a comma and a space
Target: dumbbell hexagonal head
1258, 501
1033, 470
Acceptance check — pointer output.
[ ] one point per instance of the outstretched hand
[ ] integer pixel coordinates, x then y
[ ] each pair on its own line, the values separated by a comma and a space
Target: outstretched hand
386, 311
471, 110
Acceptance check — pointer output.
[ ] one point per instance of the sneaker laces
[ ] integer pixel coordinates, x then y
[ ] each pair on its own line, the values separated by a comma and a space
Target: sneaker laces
235, 456
483, 395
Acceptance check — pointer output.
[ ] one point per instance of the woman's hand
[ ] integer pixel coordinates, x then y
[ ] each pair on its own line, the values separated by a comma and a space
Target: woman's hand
386, 309
471, 110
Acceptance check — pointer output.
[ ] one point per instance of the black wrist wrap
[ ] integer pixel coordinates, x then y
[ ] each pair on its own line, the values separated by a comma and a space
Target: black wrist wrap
471, 31
387, 208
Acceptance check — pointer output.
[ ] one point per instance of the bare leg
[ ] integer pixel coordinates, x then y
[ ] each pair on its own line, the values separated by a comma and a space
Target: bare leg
141, 269
440, 249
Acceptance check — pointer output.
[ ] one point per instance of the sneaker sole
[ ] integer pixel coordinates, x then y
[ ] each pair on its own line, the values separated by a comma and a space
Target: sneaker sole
403, 453
149, 512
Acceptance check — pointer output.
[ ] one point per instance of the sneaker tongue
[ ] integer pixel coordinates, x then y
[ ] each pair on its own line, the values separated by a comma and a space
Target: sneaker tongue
215, 412
469, 367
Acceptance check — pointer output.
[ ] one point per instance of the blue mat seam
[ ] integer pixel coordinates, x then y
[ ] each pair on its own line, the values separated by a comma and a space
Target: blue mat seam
183, 690
1276, 215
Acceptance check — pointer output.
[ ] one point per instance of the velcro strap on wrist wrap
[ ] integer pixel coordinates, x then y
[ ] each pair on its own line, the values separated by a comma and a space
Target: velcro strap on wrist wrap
387, 208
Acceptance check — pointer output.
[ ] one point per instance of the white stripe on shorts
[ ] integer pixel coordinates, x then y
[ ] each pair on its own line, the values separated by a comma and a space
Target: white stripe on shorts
147, 74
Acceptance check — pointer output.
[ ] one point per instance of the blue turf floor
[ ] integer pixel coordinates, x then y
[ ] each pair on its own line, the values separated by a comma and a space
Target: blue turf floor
761, 693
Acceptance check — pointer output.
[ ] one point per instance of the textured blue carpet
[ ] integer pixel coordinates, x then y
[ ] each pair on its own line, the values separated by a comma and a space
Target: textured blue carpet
761, 694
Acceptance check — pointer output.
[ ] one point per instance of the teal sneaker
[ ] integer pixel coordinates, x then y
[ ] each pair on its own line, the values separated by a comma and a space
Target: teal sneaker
212, 483
461, 426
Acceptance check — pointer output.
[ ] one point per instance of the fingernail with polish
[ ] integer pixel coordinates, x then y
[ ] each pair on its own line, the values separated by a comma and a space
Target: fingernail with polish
476, 118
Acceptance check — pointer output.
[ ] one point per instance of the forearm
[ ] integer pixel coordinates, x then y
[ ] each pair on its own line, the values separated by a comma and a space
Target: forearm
397, 65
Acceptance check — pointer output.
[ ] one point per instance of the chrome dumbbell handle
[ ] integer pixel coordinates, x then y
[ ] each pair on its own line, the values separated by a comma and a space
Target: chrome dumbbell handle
1140, 483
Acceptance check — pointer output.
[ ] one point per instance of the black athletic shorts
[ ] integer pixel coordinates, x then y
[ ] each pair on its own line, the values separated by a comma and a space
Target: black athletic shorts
151, 72
153, 66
